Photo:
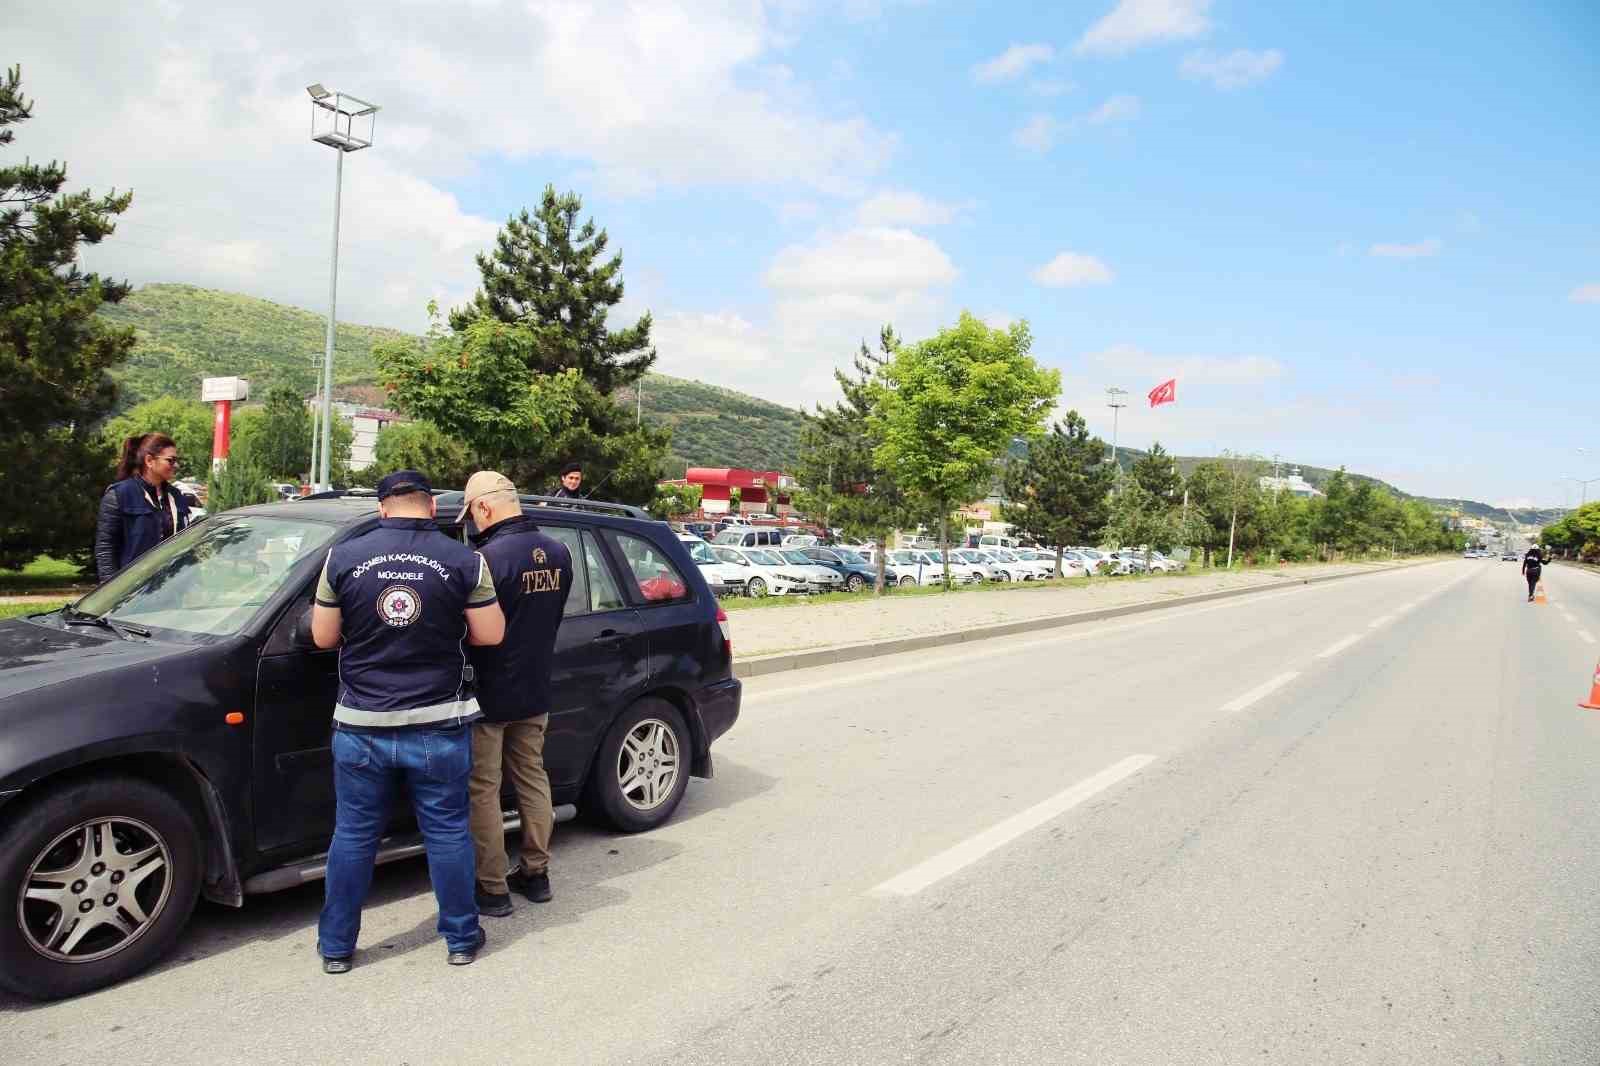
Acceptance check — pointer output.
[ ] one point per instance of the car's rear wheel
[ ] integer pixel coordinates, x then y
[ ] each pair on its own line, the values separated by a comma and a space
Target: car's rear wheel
855, 583
642, 770
757, 587
98, 879
907, 580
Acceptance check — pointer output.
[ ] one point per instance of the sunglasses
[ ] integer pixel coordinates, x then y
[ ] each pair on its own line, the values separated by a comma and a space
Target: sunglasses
172, 459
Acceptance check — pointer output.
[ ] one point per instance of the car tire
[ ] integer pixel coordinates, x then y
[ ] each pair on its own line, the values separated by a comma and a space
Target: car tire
855, 583
68, 828
907, 581
651, 727
757, 587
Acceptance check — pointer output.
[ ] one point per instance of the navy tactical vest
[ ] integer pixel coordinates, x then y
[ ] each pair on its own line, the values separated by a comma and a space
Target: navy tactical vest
402, 591
532, 577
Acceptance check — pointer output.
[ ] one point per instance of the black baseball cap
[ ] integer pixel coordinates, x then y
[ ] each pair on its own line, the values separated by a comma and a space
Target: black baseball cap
572, 468
401, 482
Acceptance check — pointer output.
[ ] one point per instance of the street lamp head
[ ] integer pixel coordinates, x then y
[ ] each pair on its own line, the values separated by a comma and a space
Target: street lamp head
317, 91
340, 120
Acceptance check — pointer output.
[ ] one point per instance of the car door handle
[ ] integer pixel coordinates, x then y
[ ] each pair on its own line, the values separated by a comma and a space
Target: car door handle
610, 636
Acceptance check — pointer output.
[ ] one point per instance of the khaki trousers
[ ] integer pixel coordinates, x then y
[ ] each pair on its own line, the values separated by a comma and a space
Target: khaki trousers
519, 747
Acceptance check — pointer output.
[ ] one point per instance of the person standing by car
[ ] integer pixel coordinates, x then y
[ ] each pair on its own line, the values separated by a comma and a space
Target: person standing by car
396, 596
1532, 565
142, 507
532, 575
571, 479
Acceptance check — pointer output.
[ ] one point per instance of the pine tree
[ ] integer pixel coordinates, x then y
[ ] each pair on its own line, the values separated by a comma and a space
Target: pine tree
55, 352
1059, 493
547, 271
1158, 473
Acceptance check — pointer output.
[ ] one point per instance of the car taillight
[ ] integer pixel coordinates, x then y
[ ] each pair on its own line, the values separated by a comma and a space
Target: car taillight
727, 634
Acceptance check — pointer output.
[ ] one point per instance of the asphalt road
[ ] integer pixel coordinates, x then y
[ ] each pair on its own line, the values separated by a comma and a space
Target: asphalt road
1355, 822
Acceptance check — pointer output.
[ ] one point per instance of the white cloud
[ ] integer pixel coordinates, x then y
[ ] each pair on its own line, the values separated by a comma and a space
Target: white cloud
1419, 250
1013, 62
1135, 23
1039, 134
1072, 268
870, 259
1051, 86
707, 345
1586, 294
898, 207
798, 211
230, 192
1235, 70
1120, 108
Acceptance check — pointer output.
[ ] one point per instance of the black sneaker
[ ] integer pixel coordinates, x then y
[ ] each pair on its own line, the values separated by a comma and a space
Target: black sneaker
337, 965
493, 904
535, 886
466, 958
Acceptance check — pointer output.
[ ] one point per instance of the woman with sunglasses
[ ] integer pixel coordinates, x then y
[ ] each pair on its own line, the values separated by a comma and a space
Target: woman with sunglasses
142, 508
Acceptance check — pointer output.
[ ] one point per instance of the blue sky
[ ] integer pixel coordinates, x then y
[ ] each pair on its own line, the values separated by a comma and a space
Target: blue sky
1357, 233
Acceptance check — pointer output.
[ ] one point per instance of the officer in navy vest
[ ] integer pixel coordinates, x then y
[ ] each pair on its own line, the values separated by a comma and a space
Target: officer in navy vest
532, 576
405, 600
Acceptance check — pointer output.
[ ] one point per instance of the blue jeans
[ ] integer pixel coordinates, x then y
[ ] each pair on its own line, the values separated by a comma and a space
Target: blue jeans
367, 771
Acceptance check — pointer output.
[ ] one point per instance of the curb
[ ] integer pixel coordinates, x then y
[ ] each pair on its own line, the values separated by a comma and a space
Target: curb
763, 665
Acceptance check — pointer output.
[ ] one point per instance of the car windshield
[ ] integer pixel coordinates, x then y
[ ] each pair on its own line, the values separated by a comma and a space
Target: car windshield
211, 578
1003, 555
905, 558
853, 558
795, 555
765, 558
700, 551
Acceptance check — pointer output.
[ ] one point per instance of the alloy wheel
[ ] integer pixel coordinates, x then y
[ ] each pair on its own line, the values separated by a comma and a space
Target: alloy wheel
648, 764
94, 889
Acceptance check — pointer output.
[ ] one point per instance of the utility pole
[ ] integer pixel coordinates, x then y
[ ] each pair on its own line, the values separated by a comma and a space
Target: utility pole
1115, 401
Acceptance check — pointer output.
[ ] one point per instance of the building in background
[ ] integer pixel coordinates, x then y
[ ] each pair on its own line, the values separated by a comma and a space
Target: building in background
367, 423
1293, 484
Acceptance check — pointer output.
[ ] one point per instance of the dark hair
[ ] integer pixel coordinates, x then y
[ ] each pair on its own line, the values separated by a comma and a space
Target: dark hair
572, 468
138, 448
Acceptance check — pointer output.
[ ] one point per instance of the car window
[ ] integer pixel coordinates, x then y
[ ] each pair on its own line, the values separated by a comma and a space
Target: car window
603, 592
657, 576
795, 555
853, 558
765, 558
211, 578
728, 555
699, 551
578, 598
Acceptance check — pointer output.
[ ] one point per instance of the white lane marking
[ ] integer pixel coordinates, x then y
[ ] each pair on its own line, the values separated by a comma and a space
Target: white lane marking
1339, 647
1081, 631
1260, 692
969, 851
1587, 637
1385, 620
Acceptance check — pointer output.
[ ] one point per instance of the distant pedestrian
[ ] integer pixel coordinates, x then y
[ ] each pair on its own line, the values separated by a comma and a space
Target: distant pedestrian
571, 478
397, 596
1532, 563
142, 507
532, 574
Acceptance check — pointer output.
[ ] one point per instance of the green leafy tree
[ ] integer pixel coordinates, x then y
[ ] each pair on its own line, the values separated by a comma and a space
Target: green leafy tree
187, 422
424, 447
672, 500
1059, 493
1141, 518
951, 405
845, 484
277, 436
55, 351
548, 271
237, 484
1157, 471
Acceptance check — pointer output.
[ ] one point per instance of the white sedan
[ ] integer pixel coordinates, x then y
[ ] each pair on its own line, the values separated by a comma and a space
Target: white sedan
715, 570
766, 571
820, 578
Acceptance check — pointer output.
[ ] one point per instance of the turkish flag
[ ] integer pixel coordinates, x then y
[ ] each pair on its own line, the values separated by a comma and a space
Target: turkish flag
1166, 392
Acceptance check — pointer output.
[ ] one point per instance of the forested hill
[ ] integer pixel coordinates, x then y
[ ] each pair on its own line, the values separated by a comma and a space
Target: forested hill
187, 333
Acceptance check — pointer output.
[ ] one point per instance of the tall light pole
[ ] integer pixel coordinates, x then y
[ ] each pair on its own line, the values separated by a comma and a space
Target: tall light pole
336, 121
1115, 401
1585, 484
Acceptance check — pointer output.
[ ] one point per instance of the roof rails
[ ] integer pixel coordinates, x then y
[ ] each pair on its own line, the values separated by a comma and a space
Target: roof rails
336, 494
571, 503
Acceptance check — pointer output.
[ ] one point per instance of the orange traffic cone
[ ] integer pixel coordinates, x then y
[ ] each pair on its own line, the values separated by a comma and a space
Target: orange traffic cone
1593, 702
1538, 594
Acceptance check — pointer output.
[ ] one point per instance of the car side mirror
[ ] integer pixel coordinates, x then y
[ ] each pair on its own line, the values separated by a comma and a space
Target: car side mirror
300, 633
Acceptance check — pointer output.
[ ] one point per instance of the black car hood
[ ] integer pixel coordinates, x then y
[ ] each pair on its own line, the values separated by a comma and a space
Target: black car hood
35, 655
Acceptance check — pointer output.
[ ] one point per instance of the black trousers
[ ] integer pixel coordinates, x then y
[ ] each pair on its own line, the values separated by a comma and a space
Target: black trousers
1533, 582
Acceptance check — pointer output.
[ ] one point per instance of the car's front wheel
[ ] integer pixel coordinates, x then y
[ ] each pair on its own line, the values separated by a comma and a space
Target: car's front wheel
757, 587
855, 583
907, 580
642, 770
97, 880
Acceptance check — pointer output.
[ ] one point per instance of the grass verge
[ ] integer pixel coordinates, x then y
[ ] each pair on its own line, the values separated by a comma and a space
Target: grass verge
16, 610
43, 573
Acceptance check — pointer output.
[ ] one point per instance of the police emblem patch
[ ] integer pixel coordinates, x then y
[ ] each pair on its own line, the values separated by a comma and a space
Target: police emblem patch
538, 556
399, 605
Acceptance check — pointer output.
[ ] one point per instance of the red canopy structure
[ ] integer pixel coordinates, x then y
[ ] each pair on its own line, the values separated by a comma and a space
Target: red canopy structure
757, 488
